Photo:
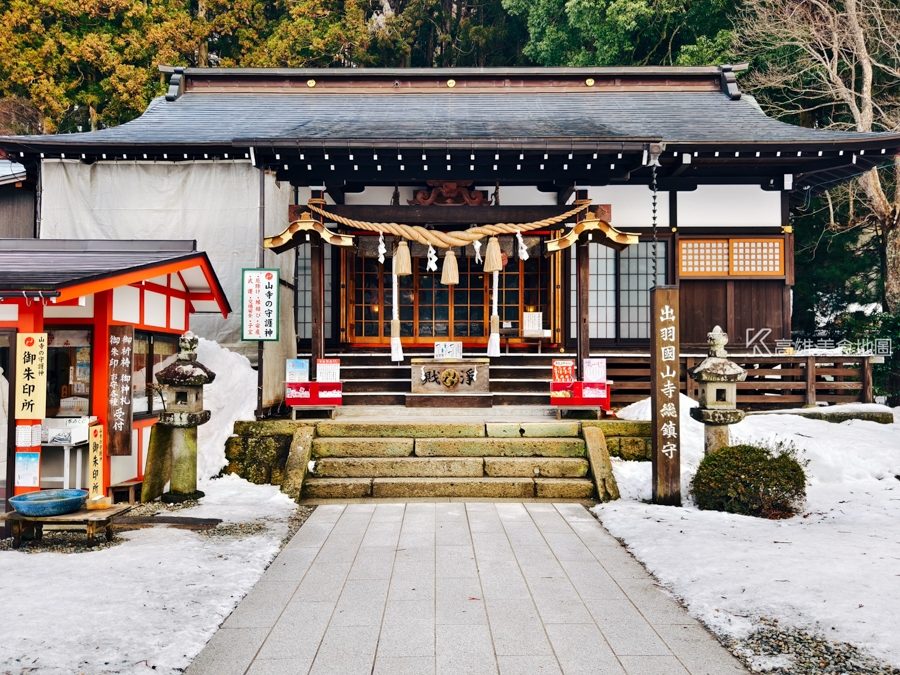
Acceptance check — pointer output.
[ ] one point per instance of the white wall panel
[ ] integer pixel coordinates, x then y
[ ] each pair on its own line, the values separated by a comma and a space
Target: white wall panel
9, 312
632, 205
154, 309
127, 304
176, 313
728, 206
85, 311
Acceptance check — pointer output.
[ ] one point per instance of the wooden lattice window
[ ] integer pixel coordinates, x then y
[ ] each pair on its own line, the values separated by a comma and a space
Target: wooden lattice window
703, 257
731, 257
752, 257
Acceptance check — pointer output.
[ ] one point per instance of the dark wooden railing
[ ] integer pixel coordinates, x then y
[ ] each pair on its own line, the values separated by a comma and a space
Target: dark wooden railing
778, 381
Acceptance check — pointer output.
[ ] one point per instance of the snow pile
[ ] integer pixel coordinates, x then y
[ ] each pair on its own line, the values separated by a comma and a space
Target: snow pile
230, 397
146, 606
634, 478
832, 571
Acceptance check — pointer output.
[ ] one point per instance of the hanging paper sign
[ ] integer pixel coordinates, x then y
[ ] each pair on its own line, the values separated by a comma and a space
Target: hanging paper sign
28, 469
328, 370
563, 370
95, 461
31, 376
119, 406
259, 305
296, 370
595, 370
448, 350
532, 324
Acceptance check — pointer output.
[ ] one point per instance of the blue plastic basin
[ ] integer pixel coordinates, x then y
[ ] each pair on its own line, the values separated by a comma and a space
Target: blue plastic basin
49, 502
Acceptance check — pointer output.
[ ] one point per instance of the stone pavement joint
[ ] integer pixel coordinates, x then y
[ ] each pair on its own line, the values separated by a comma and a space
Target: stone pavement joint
449, 588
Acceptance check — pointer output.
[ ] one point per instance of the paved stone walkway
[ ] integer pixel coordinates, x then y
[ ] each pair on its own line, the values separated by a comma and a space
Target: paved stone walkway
453, 588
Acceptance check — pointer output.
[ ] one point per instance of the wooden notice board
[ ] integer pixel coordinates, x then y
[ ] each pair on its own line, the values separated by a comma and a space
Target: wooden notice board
664, 394
119, 408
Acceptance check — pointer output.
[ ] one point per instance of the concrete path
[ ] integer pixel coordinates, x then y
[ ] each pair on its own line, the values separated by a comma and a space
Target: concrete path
454, 588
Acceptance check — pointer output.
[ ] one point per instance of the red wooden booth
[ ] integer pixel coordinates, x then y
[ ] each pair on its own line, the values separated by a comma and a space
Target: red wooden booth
89, 324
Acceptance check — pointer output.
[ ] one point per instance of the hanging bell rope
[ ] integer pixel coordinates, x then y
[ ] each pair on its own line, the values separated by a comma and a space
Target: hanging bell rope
402, 261
444, 239
449, 271
396, 345
493, 257
493, 348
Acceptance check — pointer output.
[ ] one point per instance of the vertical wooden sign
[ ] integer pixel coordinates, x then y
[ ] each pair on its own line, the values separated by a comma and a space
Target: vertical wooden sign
95, 461
665, 378
31, 377
119, 410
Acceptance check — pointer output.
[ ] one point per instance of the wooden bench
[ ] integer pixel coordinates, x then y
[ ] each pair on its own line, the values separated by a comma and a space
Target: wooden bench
128, 487
92, 520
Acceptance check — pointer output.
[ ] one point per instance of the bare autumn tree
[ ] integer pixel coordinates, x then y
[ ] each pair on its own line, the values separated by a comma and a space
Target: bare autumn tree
836, 64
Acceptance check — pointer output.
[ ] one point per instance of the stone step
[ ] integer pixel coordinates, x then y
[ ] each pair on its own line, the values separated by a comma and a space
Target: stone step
331, 467
562, 429
483, 488
362, 447
337, 488
534, 467
441, 467
395, 429
499, 447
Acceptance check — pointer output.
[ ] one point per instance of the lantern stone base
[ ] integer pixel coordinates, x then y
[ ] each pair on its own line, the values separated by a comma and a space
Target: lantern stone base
714, 417
184, 419
178, 498
715, 437
184, 460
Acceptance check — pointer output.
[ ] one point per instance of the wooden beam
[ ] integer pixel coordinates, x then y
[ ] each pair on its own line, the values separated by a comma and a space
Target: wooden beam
564, 194
441, 215
317, 279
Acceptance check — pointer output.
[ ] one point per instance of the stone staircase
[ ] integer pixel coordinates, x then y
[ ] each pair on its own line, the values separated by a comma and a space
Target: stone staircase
455, 459
483, 456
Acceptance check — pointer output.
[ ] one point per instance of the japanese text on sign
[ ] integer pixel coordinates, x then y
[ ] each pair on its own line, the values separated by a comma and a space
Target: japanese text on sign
119, 407
31, 376
259, 306
666, 382
95, 461
665, 378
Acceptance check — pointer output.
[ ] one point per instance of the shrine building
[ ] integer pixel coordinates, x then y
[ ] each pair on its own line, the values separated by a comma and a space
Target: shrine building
588, 185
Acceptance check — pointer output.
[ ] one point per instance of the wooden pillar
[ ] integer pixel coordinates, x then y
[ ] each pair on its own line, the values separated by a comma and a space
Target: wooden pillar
261, 262
582, 297
865, 369
665, 376
810, 380
317, 288
100, 373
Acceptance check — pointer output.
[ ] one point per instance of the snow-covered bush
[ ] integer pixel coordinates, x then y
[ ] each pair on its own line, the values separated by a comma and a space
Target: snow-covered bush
751, 480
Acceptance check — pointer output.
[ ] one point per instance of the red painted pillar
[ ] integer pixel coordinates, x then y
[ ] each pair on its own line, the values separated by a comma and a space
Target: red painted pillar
31, 320
100, 375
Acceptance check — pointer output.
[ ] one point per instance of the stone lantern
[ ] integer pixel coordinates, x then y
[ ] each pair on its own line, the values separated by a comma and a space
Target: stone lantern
718, 378
183, 413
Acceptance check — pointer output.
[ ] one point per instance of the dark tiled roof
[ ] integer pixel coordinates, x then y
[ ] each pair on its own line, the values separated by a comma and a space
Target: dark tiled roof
243, 119
53, 264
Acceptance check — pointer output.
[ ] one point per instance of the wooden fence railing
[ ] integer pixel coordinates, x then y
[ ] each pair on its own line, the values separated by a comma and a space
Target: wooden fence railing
778, 381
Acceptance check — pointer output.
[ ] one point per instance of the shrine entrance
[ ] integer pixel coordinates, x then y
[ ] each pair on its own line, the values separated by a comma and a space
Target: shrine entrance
431, 311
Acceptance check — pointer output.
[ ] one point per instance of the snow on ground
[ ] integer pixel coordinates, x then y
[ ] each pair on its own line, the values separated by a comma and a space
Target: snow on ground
148, 605
832, 570
230, 397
